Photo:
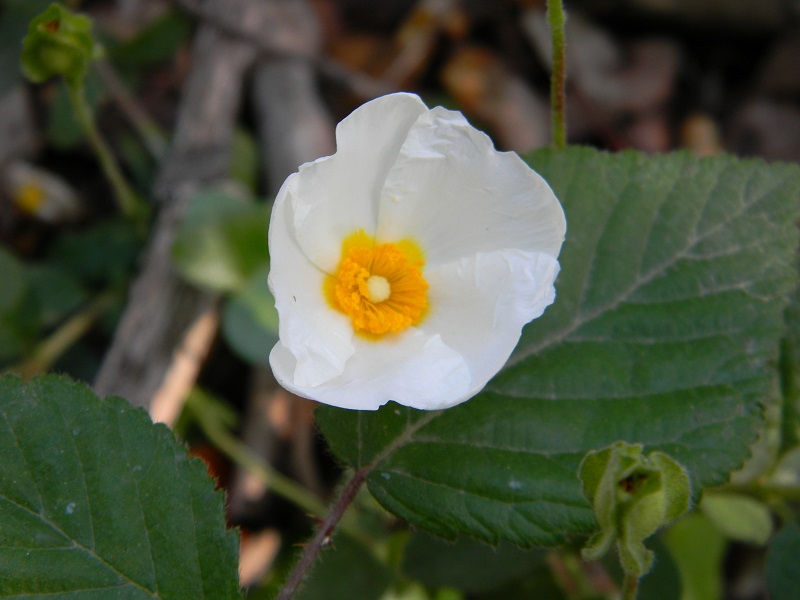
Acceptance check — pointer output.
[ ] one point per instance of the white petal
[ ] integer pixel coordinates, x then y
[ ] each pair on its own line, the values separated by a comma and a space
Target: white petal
413, 368
337, 195
318, 337
479, 305
455, 195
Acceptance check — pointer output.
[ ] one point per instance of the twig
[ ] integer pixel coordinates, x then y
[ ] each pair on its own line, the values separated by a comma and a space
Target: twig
169, 398
360, 84
558, 78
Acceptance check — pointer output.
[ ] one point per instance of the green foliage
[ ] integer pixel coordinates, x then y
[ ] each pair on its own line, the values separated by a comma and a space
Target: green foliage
59, 43
344, 568
675, 275
222, 245
63, 129
57, 292
738, 517
699, 549
102, 254
158, 42
222, 241
14, 20
19, 312
790, 372
96, 501
783, 578
632, 497
250, 320
466, 564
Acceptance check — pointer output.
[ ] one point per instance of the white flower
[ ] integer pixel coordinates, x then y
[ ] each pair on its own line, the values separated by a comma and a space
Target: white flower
405, 265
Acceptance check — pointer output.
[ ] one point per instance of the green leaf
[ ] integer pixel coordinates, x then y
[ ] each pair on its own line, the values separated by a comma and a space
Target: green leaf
664, 332
102, 254
738, 517
790, 376
465, 564
57, 292
698, 548
19, 311
222, 241
250, 320
783, 578
97, 502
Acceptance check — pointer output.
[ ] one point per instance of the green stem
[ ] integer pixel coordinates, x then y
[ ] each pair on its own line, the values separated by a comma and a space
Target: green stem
128, 204
150, 133
558, 77
218, 435
48, 351
630, 586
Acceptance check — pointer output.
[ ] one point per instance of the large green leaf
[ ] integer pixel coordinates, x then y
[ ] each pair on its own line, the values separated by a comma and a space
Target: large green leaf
664, 332
97, 502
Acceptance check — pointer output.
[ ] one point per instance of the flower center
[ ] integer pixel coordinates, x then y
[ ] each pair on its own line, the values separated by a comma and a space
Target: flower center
30, 198
379, 286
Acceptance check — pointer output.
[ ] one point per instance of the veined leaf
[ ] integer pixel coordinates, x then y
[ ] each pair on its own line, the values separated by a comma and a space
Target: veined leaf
97, 502
665, 329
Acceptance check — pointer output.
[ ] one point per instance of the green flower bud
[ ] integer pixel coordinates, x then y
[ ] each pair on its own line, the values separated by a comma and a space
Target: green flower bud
59, 43
632, 497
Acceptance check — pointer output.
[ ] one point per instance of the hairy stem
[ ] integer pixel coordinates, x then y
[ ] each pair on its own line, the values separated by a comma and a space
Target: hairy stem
322, 536
558, 76
630, 587
128, 204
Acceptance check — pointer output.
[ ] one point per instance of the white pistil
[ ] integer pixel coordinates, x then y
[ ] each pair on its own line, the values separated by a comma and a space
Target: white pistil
378, 289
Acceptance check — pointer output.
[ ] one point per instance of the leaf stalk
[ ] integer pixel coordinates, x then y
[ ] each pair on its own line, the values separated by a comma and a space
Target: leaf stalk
323, 535
126, 199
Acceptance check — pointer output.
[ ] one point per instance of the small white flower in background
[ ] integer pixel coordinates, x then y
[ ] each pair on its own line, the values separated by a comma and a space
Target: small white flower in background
405, 265
40, 193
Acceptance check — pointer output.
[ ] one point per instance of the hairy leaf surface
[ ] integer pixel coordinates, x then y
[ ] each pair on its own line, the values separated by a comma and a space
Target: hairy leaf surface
665, 330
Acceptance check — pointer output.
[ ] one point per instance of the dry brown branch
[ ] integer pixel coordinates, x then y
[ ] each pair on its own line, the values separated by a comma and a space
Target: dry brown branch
161, 307
287, 42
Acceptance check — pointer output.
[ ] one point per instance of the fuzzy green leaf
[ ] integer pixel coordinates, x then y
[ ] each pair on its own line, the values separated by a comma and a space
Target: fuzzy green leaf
665, 329
97, 502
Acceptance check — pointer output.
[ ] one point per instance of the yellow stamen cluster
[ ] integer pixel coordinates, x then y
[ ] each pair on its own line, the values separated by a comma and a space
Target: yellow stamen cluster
29, 198
379, 286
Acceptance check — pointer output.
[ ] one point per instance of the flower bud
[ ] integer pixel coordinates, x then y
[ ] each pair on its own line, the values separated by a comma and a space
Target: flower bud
632, 496
58, 43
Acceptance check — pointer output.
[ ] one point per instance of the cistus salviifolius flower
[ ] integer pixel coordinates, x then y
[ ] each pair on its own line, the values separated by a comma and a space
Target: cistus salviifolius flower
405, 265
